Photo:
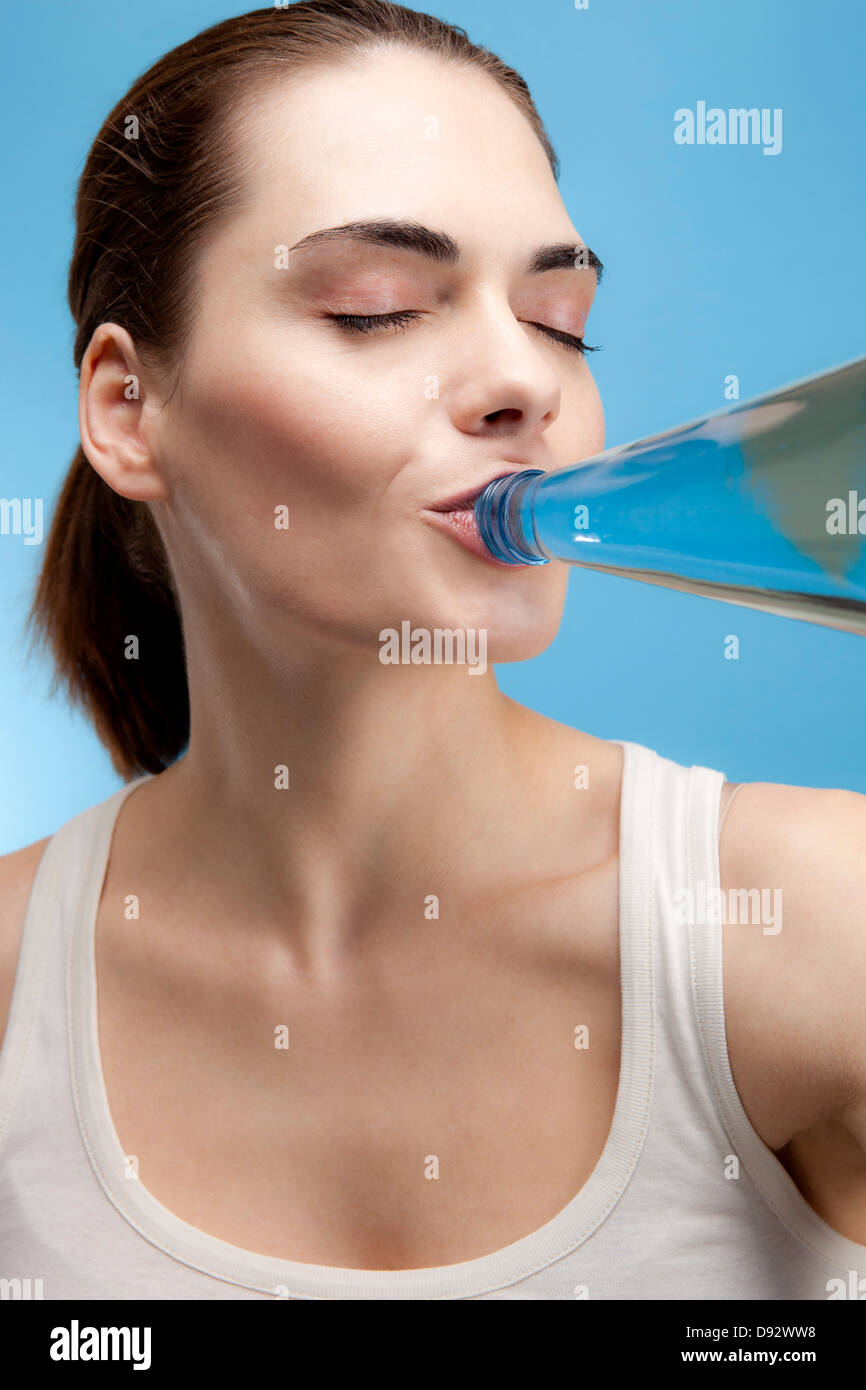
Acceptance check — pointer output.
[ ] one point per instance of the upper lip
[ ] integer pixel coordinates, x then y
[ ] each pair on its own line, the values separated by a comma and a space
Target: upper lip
465, 499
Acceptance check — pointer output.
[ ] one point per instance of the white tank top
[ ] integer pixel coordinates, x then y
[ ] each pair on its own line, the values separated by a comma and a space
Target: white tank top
685, 1201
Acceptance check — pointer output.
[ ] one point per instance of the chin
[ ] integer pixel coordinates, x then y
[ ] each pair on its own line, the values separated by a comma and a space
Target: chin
522, 624
510, 647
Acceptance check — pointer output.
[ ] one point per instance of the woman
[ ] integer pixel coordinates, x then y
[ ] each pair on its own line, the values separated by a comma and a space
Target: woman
395, 995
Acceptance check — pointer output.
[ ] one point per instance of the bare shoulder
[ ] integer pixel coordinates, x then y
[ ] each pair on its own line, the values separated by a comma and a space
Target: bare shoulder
17, 871
795, 957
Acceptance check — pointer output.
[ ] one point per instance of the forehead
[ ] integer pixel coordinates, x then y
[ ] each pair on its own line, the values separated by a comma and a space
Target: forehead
400, 134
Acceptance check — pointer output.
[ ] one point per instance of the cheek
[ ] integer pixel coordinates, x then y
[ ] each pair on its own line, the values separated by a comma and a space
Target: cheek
263, 424
320, 437
590, 425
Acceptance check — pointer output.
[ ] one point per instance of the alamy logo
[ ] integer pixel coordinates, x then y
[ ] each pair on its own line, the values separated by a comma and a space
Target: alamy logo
855, 1287
419, 646
736, 126
846, 518
22, 516
75, 1343
22, 1289
706, 906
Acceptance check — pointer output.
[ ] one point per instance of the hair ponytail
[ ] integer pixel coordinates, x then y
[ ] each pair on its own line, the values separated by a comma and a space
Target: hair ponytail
105, 580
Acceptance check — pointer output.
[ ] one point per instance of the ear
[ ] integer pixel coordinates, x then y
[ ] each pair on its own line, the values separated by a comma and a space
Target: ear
111, 415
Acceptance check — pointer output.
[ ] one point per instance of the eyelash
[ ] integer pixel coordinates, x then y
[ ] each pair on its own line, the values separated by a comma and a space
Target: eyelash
371, 323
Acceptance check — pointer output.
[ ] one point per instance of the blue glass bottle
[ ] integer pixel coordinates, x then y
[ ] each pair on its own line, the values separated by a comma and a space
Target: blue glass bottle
762, 504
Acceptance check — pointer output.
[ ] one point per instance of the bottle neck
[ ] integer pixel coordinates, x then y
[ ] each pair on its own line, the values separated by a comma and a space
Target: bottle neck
504, 517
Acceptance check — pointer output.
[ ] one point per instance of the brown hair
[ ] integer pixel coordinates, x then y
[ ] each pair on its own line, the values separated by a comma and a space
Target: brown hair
142, 204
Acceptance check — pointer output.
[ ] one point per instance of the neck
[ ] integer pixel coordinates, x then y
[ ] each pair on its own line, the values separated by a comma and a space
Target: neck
337, 789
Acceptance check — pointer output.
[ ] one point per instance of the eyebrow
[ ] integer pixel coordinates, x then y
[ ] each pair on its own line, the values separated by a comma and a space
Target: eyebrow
439, 246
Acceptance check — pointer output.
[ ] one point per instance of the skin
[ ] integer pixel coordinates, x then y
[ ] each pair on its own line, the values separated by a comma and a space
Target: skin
306, 907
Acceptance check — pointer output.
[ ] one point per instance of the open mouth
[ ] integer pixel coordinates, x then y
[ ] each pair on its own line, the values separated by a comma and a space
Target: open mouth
465, 501
458, 520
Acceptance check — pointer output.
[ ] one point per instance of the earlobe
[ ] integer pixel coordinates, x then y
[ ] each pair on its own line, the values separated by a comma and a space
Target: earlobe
111, 399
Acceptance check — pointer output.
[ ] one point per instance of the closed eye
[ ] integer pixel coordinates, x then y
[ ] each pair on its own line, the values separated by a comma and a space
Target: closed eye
568, 339
373, 323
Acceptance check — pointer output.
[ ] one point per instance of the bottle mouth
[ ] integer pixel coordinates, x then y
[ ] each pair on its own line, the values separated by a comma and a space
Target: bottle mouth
497, 514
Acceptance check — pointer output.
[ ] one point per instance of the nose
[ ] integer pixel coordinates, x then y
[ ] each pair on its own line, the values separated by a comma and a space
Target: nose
503, 385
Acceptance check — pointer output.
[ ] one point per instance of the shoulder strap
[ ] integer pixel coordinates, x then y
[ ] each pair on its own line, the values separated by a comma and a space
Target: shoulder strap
64, 885
685, 872
41, 967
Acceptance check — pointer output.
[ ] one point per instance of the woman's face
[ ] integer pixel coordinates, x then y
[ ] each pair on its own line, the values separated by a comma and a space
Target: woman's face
359, 435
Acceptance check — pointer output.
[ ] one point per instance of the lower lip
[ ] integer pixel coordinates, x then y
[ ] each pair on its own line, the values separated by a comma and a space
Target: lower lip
463, 527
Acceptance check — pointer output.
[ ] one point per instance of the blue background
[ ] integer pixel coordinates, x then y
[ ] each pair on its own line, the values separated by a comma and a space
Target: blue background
718, 260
